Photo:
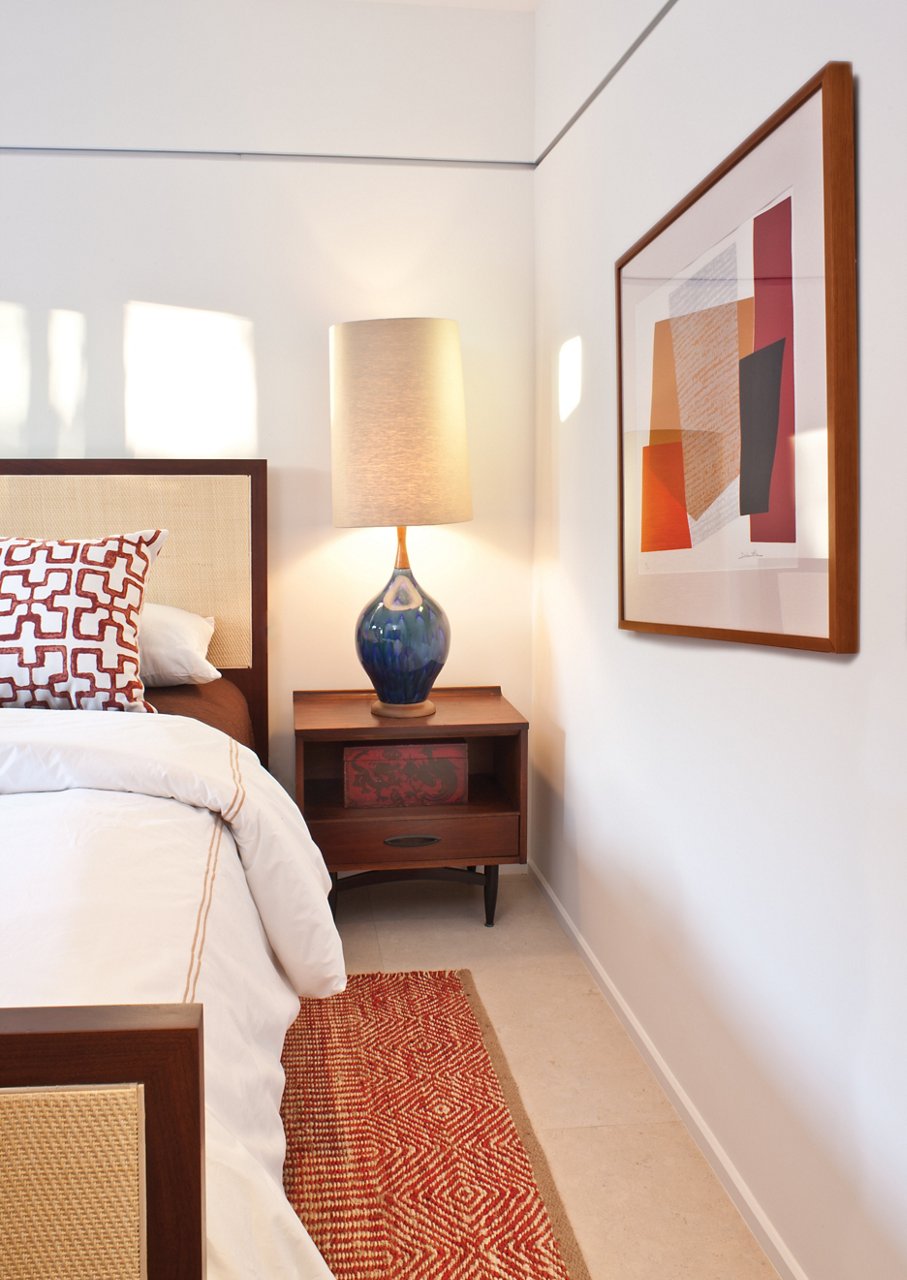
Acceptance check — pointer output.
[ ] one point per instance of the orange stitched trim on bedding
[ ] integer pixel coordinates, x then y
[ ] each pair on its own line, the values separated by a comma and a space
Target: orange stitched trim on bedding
201, 920
237, 800
239, 791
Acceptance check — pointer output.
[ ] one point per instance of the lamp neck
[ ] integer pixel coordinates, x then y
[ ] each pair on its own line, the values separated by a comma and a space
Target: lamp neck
402, 561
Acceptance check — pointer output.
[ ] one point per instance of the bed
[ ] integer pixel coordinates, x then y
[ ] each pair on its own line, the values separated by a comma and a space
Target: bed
147, 857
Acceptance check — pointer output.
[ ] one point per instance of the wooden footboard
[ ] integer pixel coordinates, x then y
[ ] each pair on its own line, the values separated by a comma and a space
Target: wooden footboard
102, 1143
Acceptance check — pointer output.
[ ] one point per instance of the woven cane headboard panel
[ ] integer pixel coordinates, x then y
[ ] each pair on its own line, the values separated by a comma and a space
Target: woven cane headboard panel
205, 564
153, 1056
214, 562
73, 1208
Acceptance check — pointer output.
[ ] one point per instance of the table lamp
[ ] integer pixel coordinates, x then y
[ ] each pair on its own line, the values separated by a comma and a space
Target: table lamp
398, 458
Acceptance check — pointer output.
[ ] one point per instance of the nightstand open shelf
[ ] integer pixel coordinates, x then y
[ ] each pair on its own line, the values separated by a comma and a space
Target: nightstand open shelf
324, 800
447, 841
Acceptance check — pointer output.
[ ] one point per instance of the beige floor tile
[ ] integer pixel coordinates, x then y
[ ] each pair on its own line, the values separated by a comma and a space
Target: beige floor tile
359, 933
645, 1206
574, 1061
643, 1201
436, 925
361, 948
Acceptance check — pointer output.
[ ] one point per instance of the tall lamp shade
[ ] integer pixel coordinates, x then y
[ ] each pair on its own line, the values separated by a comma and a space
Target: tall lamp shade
398, 458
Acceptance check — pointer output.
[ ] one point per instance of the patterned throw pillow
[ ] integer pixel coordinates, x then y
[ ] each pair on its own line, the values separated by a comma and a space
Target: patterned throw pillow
69, 615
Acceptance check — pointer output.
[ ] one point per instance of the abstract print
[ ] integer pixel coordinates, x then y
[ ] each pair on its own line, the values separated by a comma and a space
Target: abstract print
721, 430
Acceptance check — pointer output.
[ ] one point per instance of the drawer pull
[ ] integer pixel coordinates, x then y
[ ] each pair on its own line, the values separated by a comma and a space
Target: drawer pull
411, 842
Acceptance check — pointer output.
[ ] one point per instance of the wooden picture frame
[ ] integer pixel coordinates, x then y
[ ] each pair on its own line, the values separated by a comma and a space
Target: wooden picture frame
737, 377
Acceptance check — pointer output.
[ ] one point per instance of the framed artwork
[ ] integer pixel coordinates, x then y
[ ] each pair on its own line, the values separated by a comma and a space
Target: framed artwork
737, 359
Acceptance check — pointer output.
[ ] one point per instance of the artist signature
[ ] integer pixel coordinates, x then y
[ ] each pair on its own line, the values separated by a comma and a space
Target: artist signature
750, 555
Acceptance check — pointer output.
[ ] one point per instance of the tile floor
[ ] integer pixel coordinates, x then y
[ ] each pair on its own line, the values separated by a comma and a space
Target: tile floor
642, 1200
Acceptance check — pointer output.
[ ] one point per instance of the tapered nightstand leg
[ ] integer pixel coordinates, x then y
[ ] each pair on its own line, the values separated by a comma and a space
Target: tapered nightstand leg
332, 896
491, 894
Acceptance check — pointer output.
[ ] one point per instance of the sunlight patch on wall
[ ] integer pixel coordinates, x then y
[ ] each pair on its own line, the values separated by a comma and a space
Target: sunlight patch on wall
67, 378
15, 375
811, 449
569, 377
190, 383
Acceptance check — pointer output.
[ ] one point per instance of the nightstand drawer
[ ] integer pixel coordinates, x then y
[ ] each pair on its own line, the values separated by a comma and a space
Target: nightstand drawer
417, 838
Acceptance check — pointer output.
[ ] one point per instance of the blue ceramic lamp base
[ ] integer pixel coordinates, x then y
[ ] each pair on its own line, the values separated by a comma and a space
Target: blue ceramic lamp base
402, 639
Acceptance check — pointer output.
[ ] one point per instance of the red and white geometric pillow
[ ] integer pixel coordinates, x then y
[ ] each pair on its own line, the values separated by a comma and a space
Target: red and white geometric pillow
69, 616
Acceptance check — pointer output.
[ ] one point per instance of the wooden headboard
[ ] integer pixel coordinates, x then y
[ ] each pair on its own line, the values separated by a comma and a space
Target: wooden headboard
214, 563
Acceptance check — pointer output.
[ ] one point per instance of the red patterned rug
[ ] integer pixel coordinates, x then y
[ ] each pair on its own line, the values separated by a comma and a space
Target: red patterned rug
409, 1155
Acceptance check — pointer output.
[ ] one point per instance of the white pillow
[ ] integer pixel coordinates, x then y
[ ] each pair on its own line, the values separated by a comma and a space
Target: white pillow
173, 647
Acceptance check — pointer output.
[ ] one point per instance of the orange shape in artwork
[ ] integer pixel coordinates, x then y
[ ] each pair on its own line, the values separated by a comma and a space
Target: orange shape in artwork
746, 321
664, 421
664, 509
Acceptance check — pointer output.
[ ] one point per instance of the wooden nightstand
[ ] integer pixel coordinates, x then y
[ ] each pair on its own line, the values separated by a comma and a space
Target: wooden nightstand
369, 845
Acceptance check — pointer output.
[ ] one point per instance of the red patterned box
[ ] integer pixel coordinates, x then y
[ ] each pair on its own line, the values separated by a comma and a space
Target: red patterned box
424, 773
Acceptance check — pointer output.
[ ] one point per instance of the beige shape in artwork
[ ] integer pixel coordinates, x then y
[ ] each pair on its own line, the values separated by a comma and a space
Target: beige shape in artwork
706, 356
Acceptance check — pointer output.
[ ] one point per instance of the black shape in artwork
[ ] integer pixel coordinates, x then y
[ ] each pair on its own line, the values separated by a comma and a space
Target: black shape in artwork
760, 398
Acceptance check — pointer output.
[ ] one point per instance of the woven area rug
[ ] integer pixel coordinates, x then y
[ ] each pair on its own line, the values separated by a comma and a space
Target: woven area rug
410, 1156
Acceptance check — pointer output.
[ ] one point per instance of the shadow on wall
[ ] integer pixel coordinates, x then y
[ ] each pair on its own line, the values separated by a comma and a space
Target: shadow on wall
840, 1229
795, 1150
150, 381
549, 836
816, 1190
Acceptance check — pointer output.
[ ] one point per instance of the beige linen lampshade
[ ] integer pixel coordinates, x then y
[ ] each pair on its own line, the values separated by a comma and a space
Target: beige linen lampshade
398, 445
398, 423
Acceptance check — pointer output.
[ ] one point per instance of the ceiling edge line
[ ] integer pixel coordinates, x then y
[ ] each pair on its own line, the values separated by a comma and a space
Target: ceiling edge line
606, 79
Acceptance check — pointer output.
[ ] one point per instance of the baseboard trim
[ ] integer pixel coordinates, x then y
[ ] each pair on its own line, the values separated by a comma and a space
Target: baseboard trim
725, 1170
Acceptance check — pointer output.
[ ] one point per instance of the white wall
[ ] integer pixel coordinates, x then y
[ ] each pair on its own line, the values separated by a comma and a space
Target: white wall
245, 265
724, 825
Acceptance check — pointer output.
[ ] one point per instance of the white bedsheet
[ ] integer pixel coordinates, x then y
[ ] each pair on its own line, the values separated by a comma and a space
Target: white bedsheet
149, 859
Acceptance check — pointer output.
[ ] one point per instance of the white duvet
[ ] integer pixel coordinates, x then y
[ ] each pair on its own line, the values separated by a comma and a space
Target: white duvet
148, 859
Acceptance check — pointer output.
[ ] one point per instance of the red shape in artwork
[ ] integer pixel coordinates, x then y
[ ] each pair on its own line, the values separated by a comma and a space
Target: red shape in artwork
665, 526
774, 320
